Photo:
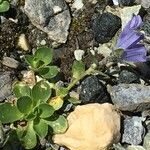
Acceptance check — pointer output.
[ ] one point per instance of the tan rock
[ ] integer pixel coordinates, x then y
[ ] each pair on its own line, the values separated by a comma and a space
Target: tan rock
91, 127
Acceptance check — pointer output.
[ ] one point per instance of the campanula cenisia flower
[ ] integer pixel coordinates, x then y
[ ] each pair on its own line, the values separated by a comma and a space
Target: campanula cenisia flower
129, 40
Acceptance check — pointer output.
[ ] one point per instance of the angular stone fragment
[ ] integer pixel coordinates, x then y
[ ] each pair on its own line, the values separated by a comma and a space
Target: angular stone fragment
130, 97
51, 16
105, 27
5, 85
133, 130
91, 127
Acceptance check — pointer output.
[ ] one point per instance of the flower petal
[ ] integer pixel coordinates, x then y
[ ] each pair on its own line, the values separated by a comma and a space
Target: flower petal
129, 35
136, 54
130, 39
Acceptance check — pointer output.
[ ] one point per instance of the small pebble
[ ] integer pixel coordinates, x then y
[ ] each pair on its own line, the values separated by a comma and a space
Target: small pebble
128, 77
78, 54
10, 62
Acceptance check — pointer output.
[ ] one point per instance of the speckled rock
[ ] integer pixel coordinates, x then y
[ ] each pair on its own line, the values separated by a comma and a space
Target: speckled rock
126, 2
105, 26
133, 130
127, 76
5, 85
91, 127
92, 90
130, 97
51, 16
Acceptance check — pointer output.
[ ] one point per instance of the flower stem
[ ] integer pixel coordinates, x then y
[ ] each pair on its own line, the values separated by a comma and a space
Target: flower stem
87, 72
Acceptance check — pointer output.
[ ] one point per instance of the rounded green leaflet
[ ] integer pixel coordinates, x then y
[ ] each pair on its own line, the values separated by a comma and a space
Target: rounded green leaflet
41, 128
78, 68
20, 89
41, 92
24, 104
4, 6
48, 72
29, 139
45, 110
58, 124
9, 113
45, 54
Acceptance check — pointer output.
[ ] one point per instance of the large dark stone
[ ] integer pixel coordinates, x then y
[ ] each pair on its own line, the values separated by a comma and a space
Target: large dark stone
92, 91
126, 2
105, 27
128, 77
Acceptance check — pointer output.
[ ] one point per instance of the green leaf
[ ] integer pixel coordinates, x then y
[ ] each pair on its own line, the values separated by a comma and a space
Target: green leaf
48, 72
4, 6
41, 92
74, 100
29, 139
45, 54
45, 110
59, 125
31, 116
35, 63
62, 92
20, 89
24, 104
56, 102
78, 68
9, 113
41, 128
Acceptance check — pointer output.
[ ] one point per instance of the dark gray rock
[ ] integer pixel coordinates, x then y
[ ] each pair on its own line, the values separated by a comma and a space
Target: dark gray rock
133, 130
146, 25
92, 90
130, 97
5, 85
51, 16
128, 77
105, 27
126, 2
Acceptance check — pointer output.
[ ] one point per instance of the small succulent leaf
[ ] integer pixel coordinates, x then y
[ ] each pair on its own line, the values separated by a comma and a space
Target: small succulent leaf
41, 128
48, 72
31, 116
45, 110
59, 125
62, 92
45, 54
41, 92
30, 61
24, 104
9, 113
74, 100
4, 6
20, 89
56, 102
78, 68
29, 139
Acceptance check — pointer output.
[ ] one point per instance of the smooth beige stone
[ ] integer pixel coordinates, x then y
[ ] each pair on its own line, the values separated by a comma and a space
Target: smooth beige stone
91, 127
